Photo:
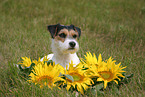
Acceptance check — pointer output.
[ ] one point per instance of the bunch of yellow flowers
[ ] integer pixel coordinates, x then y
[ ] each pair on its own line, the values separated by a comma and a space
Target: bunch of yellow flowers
79, 78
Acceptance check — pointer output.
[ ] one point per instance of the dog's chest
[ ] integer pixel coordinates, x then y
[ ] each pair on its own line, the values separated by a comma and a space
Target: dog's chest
64, 60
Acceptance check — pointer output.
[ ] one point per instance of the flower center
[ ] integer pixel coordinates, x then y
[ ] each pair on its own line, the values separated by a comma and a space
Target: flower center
77, 77
106, 75
46, 80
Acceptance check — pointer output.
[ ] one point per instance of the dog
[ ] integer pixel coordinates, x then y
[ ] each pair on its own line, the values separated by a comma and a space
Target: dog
64, 44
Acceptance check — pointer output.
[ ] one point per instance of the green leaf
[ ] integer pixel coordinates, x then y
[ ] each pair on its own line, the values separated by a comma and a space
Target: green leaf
93, 91
49, 62
24, 72
20, 67
31, 66
99, 86
69, 77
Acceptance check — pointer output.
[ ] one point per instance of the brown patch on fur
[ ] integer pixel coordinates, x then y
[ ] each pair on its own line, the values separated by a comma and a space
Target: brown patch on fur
57, 38
70, 33
73, 33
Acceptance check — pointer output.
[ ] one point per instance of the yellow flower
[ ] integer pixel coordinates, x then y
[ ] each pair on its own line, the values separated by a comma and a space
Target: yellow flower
37, 62
26, 62
45, 59
40, 62
108, 71
92, 60
80, 80
43, 74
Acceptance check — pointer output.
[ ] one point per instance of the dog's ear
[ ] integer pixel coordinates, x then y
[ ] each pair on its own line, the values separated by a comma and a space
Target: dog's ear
53, 29
76, 29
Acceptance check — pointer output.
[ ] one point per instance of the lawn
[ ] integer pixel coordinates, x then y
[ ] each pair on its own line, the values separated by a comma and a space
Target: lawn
111, 27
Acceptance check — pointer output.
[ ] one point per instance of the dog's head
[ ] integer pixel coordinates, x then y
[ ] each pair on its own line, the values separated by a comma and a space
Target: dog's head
64, 38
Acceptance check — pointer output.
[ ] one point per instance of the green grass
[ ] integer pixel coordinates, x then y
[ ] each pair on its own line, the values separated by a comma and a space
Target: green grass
111, 27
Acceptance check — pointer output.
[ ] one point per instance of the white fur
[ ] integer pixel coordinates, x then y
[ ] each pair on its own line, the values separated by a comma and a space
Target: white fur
62, 54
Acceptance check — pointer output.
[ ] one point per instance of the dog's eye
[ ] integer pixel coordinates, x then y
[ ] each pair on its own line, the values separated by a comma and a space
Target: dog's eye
74, 36
62, 35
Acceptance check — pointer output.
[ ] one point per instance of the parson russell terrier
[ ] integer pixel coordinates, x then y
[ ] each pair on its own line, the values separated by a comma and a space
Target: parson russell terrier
64, 44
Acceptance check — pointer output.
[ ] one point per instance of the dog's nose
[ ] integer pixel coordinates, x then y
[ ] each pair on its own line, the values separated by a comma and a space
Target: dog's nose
72, 44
